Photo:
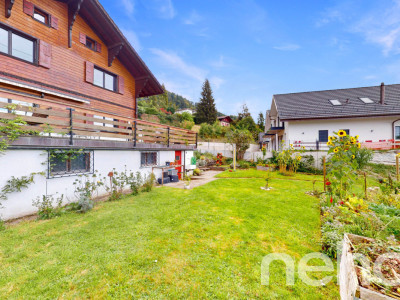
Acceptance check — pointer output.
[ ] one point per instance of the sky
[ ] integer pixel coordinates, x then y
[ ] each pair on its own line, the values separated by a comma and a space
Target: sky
250, 50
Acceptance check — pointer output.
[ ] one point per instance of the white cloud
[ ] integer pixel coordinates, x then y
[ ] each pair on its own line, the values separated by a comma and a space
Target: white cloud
132, 38
330, 15
165, 8
217, 81
219, 63
287, 47
192, 19
129, 6
174, 61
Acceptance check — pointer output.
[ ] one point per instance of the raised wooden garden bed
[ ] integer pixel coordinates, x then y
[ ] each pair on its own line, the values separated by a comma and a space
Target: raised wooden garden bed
351, 283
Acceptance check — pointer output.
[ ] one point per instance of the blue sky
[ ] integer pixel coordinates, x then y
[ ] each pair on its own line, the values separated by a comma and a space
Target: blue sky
250, 50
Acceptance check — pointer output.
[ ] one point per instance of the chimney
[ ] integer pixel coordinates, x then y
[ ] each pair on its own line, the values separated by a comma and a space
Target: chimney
382, 93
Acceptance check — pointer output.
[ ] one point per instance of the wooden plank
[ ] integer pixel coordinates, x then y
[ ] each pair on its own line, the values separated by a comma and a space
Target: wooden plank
102, 134
151, 139
151, 128
101, 128
8, 116
164, 135
25, 108
98, 120
41, 129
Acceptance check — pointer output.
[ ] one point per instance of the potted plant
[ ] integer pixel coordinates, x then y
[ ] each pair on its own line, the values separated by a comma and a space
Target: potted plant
187, 180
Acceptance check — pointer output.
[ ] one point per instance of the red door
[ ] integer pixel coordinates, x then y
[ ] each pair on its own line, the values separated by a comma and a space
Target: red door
178, 161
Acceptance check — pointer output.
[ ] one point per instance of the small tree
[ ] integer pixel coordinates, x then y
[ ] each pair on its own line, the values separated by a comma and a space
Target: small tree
261, 121
241, 138
206, 111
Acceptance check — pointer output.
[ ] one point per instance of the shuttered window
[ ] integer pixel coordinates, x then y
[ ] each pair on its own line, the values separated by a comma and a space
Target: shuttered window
90, 43
104, 79
40, 15
17, 44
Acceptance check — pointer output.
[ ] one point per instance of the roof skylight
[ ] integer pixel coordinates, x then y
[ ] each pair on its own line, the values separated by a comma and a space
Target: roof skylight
335, 102
366, 100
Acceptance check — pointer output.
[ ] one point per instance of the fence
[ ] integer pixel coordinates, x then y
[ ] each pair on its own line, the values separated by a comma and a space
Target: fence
58, 121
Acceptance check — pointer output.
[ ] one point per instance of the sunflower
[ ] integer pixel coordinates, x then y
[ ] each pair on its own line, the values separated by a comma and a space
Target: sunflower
329, 143
353, 140
330, 138
291, 145
342, 133
336, 150
298, 158
357, 137
358, 145
304, 147
353, 156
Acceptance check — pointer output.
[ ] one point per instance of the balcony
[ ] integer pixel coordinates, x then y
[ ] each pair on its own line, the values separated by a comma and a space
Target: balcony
56, 125
275, 129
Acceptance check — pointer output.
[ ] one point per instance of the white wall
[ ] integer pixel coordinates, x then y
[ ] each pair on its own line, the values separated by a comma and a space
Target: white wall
227, 150
20, 163
375, 129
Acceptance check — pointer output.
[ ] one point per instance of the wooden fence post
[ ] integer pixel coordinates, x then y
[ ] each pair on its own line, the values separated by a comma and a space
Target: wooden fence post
365, 186
134, 133
397, 167
234, 157
71, 133
324, 167
168, 138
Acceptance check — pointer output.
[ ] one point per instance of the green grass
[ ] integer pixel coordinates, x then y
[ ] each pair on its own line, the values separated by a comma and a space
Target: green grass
170, 243
254, 173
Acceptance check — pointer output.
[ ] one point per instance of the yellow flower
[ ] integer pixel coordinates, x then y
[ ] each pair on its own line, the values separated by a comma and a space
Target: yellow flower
353, 156
357, 137
304, 147
330, 138
353, 140
298, 158
336, 150
358, 145
342, 133
329, 143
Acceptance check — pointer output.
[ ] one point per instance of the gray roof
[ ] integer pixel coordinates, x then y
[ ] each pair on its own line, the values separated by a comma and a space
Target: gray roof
316, 105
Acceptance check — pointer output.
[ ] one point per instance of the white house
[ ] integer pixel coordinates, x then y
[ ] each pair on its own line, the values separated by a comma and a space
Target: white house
188, 110
308, 118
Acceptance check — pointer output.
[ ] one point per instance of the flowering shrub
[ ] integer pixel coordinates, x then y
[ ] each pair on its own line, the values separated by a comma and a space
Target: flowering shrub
219, 161
342, 166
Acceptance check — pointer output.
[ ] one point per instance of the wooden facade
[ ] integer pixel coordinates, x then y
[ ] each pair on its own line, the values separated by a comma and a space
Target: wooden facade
65, 70
74, 41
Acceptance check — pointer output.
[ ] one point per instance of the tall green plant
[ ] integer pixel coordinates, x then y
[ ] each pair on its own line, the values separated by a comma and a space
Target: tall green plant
342, 164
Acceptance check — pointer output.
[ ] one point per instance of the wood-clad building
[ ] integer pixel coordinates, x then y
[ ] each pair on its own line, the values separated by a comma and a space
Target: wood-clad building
72, 77
65, 48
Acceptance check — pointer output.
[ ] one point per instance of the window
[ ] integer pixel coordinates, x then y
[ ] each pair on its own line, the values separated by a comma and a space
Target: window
63, 163
335, 102
17, 44
323, 136
347, 131
148, 159
366, 100
397, 132
41, 16
91, 44
16, 103
104, 79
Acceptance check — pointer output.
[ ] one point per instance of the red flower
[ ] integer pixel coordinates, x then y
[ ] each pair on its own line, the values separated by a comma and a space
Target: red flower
328, 182
341, 202
331, 199
230, 170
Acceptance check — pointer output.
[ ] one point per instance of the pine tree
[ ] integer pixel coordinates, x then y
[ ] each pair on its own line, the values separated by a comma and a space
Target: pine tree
206, 111
261, 121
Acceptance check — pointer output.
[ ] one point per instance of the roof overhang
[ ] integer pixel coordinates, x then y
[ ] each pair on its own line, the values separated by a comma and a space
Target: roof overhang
98, 19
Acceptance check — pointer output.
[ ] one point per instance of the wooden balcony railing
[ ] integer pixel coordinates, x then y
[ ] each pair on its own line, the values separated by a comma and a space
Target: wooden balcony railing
59, 121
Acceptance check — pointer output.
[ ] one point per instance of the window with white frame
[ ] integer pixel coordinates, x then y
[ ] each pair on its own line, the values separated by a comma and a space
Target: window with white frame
64, 163
148, 159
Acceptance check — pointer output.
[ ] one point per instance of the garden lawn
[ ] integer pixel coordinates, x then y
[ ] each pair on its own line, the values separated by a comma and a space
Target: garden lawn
170, 243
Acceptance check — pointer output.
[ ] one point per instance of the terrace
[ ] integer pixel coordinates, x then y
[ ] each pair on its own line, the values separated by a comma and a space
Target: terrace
52, 124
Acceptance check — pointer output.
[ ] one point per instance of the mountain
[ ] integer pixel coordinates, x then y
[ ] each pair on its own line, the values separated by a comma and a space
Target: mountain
180, 101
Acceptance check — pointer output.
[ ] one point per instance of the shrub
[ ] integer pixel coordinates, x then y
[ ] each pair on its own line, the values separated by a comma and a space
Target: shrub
196, 172
2, 225
85, 186
117, 184
363, 156
243, 164
134, 181
240, 138
148, 182
48, 206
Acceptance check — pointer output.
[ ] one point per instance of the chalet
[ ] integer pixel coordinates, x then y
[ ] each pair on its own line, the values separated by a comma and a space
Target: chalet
72, 76
225, 121
308, 118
